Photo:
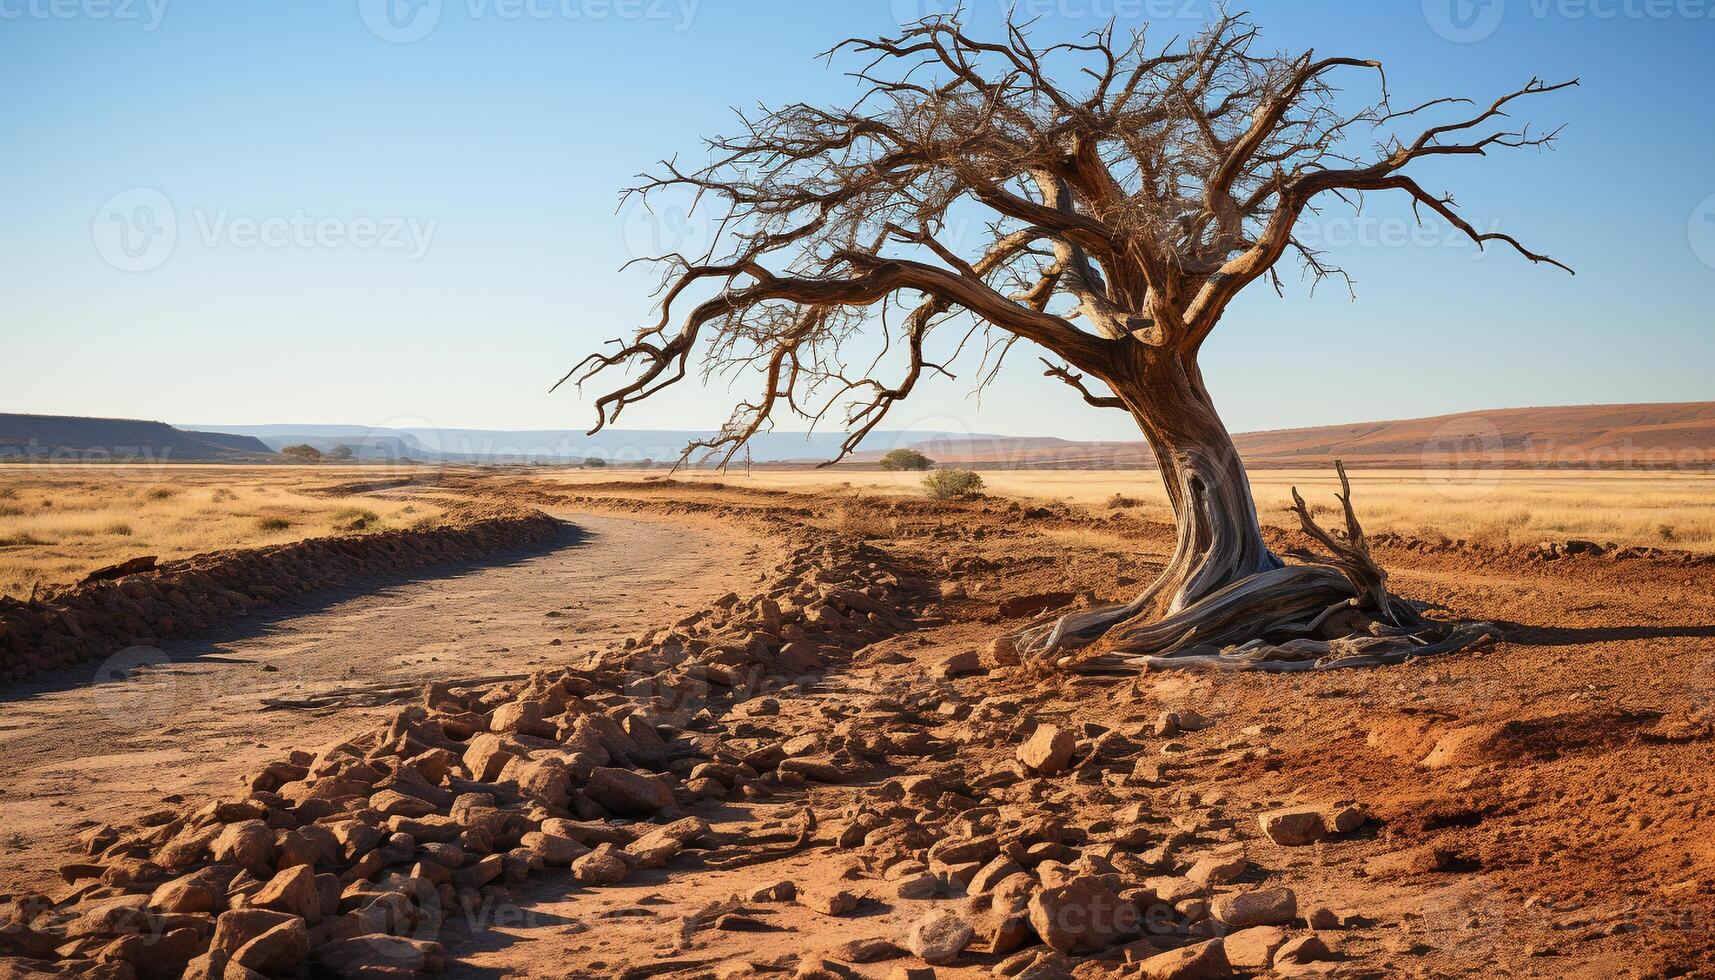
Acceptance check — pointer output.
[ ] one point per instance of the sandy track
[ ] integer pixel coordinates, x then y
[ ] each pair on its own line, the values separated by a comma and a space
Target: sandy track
188, 724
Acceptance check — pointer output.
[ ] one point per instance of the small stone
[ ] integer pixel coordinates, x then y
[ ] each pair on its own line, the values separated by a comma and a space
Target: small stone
780, 891
235, 928
1002, 652
1414, 860
1035, 964
1172, 723
1048, 750
912, 973
938, 937
602, 866
872, 950
1293, 828
1322, 917
1218, 869
1082, 915
917, 886
1304, 949
293, 892
1346, 819
1265, 907
275, 952
1203, 961
554, 850
1253, 948
992, 874
248, 844
625, 792
958, 665
828, 901
819, 968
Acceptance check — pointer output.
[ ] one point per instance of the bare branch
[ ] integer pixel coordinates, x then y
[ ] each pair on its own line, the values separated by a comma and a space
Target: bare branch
1077, 382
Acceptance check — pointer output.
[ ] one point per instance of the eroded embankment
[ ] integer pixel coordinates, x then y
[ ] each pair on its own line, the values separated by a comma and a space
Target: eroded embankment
349, 861
187, 597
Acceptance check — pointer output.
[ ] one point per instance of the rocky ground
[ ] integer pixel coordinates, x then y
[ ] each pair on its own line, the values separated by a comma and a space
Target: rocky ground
834, 771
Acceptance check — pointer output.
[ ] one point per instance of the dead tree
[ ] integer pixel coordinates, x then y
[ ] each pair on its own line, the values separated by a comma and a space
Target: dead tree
1128, 194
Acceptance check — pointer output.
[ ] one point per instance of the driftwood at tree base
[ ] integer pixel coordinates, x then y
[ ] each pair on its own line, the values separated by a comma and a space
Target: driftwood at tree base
1283, 619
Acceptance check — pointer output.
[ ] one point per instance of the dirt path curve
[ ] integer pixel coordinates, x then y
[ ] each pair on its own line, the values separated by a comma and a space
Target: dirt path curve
188, 723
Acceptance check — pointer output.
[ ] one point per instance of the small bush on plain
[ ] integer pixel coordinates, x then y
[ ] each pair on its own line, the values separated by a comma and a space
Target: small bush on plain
951, 484
906, 459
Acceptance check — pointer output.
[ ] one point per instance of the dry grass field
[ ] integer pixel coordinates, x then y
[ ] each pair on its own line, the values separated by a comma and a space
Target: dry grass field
58, 523
1496, 507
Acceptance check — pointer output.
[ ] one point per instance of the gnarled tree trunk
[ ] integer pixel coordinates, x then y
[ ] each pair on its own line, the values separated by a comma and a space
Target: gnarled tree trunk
1224, 599
1220, 539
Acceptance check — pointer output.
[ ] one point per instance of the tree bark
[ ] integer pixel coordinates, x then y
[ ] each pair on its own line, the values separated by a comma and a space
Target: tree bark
1220, 539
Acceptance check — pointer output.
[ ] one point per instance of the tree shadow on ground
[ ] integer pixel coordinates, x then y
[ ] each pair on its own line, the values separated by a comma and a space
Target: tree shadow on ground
1526, 634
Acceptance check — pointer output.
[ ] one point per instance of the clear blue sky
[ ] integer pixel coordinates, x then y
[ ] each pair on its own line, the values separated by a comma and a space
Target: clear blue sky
457, 245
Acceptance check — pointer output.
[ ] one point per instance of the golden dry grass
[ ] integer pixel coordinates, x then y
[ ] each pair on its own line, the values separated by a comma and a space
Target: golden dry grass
58, 523
1497, 507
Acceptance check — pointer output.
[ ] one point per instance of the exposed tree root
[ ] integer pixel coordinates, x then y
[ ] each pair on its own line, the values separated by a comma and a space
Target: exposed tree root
1334, 612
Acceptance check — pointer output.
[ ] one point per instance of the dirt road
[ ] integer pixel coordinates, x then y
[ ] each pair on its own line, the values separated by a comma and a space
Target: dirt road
185, 721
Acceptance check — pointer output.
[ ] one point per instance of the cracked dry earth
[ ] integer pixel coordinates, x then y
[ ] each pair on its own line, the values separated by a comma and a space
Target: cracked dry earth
830, 770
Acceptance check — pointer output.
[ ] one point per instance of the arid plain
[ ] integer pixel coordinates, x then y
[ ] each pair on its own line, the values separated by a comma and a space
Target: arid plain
845, 801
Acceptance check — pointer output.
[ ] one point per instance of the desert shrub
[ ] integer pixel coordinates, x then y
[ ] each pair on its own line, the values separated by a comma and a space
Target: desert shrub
354, 519
948, 484
7, 510
303, 452
1119, 500
222, 495
161, 493
338, 453
1666, 532
274, 524
594, 462
119, 528
20, 540
906, 459
7, 493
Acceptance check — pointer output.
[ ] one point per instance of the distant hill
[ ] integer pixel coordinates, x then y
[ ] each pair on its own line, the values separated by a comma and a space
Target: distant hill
550, 445
1680, 433
1677, 433
63, 437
